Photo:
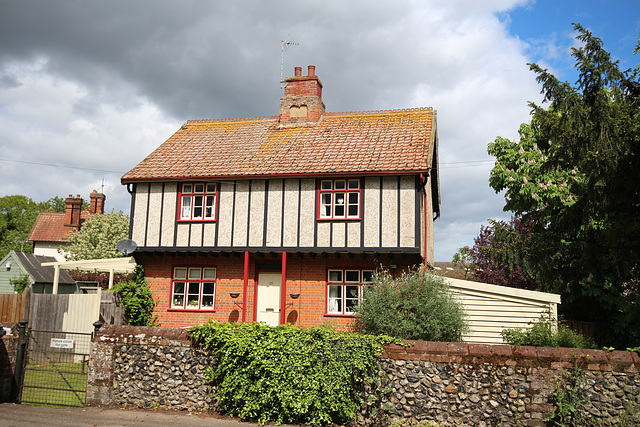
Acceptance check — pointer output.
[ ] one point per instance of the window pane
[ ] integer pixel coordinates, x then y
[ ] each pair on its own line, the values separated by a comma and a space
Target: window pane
178, 301
197, 206
207, 288
178, 295
194, 288
339, 211
354, 184
186, 188
199, 188
352, 276
351, 298
194, 273
211, 188
367, 276
353, 198
180, 273
210, 207
186, 207
353, 210
340, 185
335, 275
335, 299
325, 185
209, 274
325, 209
207, 301
339, 199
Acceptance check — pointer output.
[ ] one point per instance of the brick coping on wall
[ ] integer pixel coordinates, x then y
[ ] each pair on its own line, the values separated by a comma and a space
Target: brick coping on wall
432, 351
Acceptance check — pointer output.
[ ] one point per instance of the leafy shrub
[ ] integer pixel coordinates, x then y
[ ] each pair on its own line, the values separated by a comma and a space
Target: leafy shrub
416, 306
287, 374
545, 333
20, 283
137, 300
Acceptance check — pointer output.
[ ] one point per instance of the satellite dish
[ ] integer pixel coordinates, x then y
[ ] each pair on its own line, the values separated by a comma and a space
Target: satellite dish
126, 246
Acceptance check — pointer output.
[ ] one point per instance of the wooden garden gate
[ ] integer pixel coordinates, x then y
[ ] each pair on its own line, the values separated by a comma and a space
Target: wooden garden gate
58, 342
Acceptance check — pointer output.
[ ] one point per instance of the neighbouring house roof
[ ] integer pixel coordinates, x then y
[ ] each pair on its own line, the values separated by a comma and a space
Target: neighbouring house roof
394, 141
447, 269
49, 227
32, 264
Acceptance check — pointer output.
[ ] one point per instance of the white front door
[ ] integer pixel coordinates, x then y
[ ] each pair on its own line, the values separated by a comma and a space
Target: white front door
269, 298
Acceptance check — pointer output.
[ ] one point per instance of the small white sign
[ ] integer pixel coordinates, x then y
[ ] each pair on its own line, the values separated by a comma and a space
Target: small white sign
61, 343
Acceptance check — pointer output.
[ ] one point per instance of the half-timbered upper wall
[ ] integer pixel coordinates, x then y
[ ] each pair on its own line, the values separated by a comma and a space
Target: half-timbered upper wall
274, 214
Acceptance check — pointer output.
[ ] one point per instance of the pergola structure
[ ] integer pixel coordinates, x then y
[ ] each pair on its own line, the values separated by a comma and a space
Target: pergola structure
110, 265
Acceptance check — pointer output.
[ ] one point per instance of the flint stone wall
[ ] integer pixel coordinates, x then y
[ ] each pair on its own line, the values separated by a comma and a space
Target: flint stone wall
453, 384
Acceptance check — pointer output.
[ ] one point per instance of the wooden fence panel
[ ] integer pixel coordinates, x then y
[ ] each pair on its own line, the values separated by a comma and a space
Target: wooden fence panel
12, 307
64, 312
110, 309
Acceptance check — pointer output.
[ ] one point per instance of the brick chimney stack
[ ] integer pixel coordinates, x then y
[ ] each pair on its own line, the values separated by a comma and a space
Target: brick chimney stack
97, 202
72, 213
302, 101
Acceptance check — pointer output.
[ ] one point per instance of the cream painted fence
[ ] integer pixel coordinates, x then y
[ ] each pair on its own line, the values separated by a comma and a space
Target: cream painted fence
492, 308
64, 312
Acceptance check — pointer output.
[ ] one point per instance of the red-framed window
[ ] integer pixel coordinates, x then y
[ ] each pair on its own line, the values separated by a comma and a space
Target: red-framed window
198, 201
339, 199
193, 288
345, 289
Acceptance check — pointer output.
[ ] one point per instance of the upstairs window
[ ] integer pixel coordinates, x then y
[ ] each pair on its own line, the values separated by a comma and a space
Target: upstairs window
345, 289
193, 288
339, 199
198, 202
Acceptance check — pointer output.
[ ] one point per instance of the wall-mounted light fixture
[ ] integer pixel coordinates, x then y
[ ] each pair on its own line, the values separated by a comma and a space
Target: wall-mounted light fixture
234, 295
294, 295
8, 266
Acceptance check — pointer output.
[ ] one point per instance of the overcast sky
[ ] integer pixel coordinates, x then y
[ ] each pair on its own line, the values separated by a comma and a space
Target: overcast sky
89, 88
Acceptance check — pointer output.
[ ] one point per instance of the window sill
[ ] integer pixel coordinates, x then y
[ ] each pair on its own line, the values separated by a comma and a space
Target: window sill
196, 310
338, 315
191, 221
339, 219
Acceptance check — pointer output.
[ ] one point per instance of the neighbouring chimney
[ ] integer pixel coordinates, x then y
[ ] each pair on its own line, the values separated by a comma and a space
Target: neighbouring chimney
72, 213
302, 101
97, 202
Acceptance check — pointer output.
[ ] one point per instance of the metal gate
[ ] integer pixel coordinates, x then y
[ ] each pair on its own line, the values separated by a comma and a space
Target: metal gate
55, 368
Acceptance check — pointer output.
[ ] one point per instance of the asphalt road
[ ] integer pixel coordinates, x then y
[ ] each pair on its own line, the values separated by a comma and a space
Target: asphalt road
21, 415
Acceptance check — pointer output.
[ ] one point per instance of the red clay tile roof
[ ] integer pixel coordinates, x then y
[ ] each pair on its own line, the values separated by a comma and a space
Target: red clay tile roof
393, 141
49, 227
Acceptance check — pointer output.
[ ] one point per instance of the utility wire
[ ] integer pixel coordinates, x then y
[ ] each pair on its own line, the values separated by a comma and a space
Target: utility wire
59, 166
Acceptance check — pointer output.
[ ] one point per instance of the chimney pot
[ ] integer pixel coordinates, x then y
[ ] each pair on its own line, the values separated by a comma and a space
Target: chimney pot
312, 70
298, 71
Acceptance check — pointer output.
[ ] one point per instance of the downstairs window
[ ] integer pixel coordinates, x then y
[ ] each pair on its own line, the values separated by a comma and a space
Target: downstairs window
193, 288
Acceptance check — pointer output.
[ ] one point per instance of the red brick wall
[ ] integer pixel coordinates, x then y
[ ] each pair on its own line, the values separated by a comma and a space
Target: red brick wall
306, 275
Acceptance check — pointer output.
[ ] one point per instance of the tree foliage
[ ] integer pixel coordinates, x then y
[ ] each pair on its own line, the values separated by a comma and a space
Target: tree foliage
572, 177
500, 256
416, 306
97, 238
17, 216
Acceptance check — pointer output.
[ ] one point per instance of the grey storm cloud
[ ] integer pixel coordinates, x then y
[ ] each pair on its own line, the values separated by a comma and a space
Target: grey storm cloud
101, 84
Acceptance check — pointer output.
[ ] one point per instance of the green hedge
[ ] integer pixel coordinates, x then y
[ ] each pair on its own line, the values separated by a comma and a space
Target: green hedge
287, 374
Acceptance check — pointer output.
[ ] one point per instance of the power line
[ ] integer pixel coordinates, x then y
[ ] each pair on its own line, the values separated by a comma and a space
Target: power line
58, 166
467, 164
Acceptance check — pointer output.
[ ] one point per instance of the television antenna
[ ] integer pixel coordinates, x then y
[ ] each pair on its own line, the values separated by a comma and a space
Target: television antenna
284, 46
